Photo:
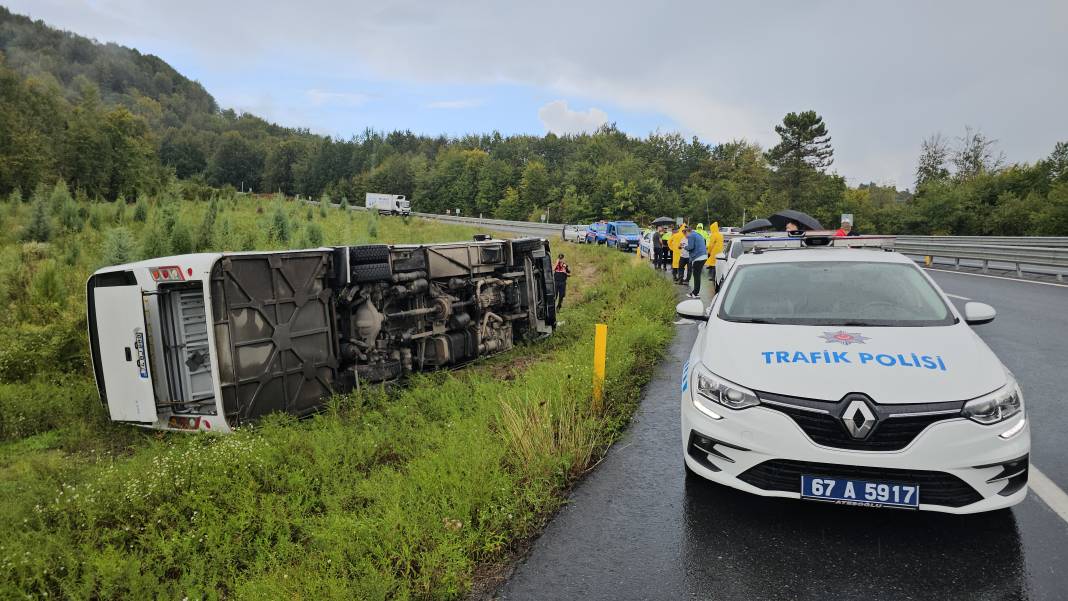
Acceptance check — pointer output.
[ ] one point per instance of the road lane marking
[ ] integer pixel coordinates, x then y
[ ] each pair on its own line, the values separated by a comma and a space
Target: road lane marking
1054, 497
996, 277
958, 297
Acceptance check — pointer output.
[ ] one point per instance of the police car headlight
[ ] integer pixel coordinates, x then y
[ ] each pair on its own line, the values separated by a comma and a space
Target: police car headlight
997, 406
722, 392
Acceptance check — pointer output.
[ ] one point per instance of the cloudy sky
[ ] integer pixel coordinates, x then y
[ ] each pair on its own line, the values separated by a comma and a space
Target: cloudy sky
884, 75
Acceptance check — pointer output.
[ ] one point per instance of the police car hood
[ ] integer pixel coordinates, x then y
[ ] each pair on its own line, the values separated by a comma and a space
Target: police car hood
891, 365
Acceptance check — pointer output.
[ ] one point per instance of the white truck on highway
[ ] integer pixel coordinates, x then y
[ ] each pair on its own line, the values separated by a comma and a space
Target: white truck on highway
388, 204
212, 341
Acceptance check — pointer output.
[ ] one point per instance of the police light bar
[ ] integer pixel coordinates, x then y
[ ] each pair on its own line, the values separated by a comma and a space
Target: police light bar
815, 239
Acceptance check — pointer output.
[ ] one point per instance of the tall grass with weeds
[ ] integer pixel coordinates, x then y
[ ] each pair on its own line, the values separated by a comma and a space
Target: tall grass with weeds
394, 493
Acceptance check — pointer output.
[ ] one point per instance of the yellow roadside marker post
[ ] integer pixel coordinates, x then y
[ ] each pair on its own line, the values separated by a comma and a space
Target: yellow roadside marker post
600, 350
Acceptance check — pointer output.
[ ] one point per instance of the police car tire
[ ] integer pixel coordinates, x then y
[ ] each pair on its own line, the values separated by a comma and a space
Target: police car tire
371, 273
369, 254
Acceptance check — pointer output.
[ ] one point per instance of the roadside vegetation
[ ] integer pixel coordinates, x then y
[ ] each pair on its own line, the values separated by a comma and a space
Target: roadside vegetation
392, 493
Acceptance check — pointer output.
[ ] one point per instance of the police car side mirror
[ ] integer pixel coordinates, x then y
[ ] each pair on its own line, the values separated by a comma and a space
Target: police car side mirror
691, 309
721, 257
976, 314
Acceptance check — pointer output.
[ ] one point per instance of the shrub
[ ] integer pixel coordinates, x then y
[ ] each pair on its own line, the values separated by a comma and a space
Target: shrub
372, 226
309, 215
48, 285
27, 349
344, 206
120, 209
181, 239
155, 242
60, 196
118, 246
141, 209
16, 196
206, 231
40, 227
280, 226
71, 217
314, 235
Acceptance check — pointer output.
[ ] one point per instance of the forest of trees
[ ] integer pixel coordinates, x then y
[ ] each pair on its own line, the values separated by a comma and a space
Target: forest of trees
113, 124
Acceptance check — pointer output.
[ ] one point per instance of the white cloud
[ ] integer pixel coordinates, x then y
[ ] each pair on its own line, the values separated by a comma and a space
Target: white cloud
559, 119
348, 99
467, 103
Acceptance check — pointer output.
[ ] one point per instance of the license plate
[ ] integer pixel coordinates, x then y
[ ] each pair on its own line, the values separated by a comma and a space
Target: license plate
860, 492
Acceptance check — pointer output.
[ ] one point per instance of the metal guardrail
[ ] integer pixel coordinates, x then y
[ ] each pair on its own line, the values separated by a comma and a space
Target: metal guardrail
523, 227
1018, 256
1045, 241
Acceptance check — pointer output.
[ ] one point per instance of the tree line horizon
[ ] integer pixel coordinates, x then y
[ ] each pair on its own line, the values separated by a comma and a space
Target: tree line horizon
113, 123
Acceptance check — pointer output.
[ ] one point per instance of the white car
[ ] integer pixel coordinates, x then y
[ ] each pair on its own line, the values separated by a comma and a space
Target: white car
732, 249
574, 233
845, 375
645, 245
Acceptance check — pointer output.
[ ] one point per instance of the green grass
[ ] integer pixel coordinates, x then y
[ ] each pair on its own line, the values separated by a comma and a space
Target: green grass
389, 494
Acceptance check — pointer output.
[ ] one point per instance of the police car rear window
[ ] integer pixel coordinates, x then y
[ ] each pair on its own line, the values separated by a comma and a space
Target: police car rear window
833, 293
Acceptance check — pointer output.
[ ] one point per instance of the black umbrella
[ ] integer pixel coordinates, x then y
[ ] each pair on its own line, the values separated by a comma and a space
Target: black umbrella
757, 225
804, 220
664, 221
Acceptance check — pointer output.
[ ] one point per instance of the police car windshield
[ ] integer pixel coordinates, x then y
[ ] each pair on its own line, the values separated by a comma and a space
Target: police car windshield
629, 230
844, 293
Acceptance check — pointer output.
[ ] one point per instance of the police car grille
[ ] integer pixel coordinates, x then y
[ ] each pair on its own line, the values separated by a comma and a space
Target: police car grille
936, 488
896, 425
889, 434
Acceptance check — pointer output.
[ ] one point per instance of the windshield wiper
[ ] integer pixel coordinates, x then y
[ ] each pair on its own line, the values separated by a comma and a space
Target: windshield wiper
753, 320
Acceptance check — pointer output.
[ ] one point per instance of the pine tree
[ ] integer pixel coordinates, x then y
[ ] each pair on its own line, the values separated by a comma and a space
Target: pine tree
118, 246
141, 209
155, 242
15, 197
40, 227
60, 197
804, 149
314, 235
181, 239
280, 227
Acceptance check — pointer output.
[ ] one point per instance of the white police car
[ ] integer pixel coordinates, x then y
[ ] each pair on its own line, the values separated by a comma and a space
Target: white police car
845, 375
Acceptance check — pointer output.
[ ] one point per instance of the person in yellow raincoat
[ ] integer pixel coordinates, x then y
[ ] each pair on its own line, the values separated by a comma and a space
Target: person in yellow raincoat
715, 246
675, 244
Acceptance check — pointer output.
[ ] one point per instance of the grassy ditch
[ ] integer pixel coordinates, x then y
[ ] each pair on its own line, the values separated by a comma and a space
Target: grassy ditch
390, 494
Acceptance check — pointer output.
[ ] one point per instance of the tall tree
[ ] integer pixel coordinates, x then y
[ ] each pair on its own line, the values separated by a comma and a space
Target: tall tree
932, 164
804, 149
975, 155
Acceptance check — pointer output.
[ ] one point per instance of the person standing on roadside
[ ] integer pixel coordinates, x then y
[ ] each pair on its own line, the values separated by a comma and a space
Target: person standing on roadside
675, 244
561, 272
684, 255
657, 242
698, 251
715, 246
665, 251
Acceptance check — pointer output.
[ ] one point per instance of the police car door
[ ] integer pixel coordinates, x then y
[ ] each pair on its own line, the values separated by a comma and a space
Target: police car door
122, 347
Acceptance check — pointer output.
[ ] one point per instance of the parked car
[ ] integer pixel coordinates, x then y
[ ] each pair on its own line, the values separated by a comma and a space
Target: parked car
623, 235
645, 247
730, 230
596, 233
574, 233
732, 249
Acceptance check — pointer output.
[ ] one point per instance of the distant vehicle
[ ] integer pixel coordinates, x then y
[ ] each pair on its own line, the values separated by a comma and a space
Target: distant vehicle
645, 247
730, 230
623, 235
388, 204
574, 233
831, 370
212, 341
596, 233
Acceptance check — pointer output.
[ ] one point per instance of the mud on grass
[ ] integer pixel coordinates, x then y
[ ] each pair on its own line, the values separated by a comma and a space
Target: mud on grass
386, 495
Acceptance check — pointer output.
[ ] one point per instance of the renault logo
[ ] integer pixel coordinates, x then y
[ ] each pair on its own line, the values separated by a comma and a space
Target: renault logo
858, 419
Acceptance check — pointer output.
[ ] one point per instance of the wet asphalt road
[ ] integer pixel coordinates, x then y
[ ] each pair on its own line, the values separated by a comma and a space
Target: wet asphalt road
637, 529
